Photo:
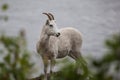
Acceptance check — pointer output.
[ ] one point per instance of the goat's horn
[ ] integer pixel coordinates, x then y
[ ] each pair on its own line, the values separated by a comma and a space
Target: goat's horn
51, 16
48, 16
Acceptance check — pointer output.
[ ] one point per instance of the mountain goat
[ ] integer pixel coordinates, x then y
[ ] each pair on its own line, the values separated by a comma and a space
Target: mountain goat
54, 44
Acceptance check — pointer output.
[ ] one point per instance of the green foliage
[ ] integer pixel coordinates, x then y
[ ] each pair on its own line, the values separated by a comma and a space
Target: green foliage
112, 57
15, 63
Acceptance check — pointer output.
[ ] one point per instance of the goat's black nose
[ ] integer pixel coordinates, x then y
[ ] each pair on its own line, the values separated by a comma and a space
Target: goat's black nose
58, 34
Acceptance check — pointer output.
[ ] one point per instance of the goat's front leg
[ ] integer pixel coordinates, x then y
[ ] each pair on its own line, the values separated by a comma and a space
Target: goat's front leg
52, 64
45, 62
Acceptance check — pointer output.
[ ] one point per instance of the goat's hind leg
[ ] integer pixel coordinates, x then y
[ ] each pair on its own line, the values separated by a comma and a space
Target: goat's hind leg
78, 58
80, 62
75, 55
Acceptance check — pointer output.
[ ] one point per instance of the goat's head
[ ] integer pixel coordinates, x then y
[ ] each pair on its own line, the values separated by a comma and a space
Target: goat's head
50, 27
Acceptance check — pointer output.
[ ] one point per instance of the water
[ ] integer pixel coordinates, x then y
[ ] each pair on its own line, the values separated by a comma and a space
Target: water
95, 19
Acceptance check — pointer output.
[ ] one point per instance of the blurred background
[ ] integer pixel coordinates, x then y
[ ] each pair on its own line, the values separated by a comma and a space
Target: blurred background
95, 19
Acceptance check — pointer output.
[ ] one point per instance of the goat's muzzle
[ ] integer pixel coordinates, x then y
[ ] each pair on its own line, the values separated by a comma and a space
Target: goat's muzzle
58, 34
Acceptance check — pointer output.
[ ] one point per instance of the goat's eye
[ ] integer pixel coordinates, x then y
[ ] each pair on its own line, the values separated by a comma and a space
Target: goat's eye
51, 25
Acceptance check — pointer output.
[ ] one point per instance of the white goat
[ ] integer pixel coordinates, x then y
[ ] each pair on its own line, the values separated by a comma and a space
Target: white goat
53, 44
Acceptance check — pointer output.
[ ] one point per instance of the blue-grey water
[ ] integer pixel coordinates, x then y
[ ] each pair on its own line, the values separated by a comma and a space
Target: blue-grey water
95, 19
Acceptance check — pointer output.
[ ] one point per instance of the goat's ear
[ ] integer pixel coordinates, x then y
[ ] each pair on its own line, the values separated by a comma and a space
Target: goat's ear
47, 22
